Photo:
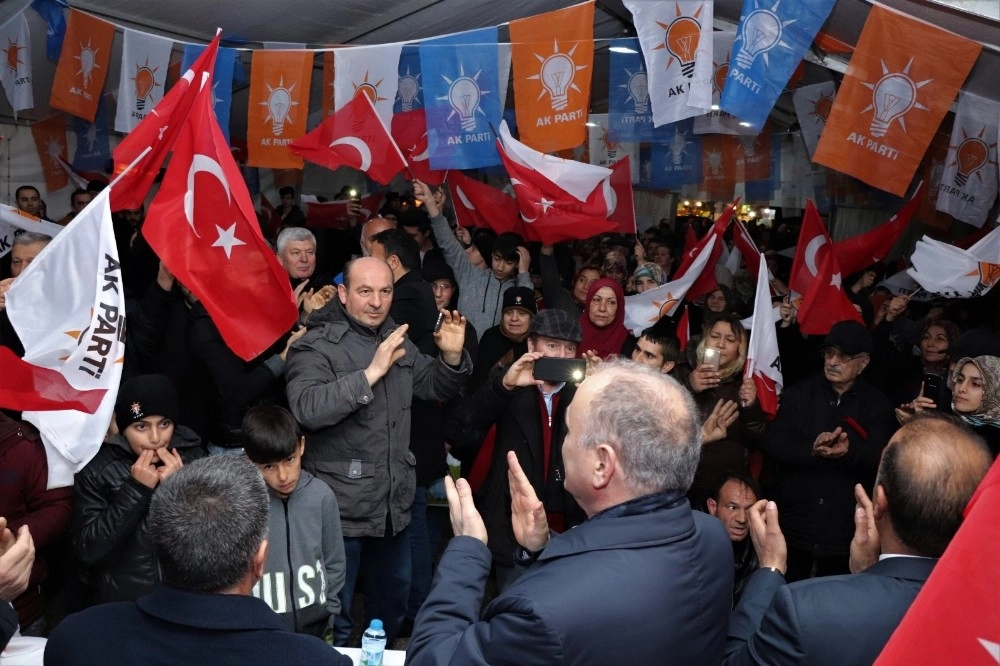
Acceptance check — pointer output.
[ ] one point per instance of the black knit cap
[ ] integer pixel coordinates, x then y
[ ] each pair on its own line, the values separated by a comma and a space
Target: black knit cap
146, 395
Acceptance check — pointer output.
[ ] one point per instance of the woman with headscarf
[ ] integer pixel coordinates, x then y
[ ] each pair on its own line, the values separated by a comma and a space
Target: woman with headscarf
712, 384
507, 341
603, 320
647, 276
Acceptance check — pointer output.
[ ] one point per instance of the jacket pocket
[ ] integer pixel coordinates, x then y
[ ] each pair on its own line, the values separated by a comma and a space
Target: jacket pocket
353, 482
407, 483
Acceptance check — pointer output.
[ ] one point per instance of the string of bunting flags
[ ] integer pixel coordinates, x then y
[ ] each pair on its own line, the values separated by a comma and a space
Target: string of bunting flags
696, 97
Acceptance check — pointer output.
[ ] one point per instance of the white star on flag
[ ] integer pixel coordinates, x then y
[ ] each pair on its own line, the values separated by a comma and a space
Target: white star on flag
546, 204
227, 239
835, 280
992, 648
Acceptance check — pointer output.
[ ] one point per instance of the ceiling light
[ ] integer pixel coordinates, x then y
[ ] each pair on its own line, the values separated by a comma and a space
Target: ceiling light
622, 49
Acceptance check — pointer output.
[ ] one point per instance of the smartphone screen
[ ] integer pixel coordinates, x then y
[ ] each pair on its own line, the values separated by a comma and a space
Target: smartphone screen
560, 369
711, 357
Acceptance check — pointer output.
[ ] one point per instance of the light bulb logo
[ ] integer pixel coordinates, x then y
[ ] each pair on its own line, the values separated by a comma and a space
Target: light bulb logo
678, 146
54, 150
638, 91
464, 95
88, 62
892, 98
821, 108
610, 145
760, 32
144, 82
408, 90
14, 55
972, 154
681, 39
715, 162
719, 77
557, 74
279, 103
748, 143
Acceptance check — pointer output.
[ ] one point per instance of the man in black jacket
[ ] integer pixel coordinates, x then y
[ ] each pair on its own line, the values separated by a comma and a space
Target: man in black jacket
827, 437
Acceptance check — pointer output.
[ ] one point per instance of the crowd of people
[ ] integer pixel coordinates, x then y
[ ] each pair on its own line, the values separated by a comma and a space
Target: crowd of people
626, 518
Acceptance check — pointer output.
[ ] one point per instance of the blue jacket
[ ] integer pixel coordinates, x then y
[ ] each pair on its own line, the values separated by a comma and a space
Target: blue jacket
171, 626
649, 588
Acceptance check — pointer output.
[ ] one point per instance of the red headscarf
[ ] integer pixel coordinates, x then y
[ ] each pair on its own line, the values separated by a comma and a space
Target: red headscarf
608, 340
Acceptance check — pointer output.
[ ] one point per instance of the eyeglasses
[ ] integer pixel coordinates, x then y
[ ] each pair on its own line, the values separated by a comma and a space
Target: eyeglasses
832, 353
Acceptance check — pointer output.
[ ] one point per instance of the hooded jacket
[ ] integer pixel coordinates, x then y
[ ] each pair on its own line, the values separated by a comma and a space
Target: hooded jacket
109, 530
358, 436
480, 296
306, 564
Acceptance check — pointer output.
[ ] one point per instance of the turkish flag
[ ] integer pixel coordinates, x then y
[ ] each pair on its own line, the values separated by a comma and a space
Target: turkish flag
334, 214
690, 241
816, 279
863, 250
623, 213
684, 329
158, 131
747, 247
705, 282
479, 205
955, 618
409, 129
32, 388
355, 137
273, 216
203, 226
763, 360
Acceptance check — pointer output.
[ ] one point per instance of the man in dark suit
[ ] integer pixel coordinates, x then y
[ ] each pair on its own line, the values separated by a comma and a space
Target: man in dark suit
928, 472
645, 580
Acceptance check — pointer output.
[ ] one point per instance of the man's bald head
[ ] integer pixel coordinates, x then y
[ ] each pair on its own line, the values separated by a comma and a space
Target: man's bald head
372, 227
367, 290
928, 473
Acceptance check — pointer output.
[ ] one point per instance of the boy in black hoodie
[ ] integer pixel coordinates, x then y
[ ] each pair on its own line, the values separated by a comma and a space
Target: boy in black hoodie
306, 564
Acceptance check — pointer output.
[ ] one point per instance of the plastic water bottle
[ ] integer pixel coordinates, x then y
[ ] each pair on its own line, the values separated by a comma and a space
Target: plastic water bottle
373, 644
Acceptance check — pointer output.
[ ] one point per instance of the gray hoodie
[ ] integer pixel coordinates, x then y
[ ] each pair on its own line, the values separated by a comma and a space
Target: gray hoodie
480, 293
306, 564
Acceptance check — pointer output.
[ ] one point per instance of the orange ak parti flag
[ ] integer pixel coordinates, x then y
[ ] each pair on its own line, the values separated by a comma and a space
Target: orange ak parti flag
329, 72
902, 79
50, 141
83, 65
553, 60
278, 106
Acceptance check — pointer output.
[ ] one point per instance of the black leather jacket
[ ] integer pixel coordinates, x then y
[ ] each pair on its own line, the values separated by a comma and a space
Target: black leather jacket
110, 535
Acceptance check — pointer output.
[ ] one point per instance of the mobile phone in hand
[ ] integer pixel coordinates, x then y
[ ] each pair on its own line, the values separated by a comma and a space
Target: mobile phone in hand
711, 357
560, 369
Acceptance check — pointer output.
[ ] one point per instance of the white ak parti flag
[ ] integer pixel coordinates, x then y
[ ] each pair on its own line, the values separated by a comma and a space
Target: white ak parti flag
969, 182
645, 309
68, 308
812, 108
676, 40
369, 70
952, 272
763, 361
16, 75
145, 59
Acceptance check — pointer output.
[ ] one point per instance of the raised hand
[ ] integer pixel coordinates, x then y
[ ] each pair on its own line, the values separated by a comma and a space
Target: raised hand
450, 338
521, 372
292, 339
768, 541
865, 546
465, 520
171, 463
527, 513
144, 471
388, 352
716, 425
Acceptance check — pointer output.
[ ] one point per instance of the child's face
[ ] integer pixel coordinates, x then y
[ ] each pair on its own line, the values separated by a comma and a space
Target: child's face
152, 432
283, 476
503, 269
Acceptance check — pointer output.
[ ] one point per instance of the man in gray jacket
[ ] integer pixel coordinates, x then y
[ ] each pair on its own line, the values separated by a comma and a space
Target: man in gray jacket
351, 381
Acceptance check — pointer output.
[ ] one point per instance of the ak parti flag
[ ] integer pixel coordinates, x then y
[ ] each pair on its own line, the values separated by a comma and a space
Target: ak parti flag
763, 360
50, 141
278, 107
354, 136
15, 42
158, 131
863, 250
202, 224
553, 58
83, 65
943, 626
902, 79
329, 73
705, 283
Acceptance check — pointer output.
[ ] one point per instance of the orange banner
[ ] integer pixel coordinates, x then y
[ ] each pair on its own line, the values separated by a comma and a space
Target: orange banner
83, 65
718, 166
50, 140
902, 78
553, 58
278, 106
329, 71
751, 155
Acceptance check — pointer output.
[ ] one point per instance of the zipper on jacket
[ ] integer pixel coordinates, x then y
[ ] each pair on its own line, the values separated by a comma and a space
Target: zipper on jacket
291, 569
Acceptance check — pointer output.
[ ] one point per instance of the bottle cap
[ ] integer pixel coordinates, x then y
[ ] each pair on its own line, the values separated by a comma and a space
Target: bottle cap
376, 624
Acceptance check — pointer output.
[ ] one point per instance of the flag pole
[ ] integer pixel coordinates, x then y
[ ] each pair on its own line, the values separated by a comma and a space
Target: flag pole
131, 165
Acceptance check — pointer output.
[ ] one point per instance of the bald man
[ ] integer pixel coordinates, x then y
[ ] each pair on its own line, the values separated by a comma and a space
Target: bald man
928, 472
351, 382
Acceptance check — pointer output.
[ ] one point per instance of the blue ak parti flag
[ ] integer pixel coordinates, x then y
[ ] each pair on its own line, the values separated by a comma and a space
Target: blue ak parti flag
461, 98
410, 94
630, 116
770, 42
676, 156
93, 151
222, 81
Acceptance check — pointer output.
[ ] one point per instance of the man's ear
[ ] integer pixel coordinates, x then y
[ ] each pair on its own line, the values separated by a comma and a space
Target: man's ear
713, 506
302, 445
605, 463
667, 367
880, 505
260, 560
342, 294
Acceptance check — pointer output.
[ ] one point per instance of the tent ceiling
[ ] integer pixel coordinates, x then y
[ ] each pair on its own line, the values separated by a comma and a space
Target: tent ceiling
375, 21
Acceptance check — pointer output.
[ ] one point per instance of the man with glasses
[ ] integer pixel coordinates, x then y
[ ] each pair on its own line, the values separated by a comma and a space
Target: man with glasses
827, 437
